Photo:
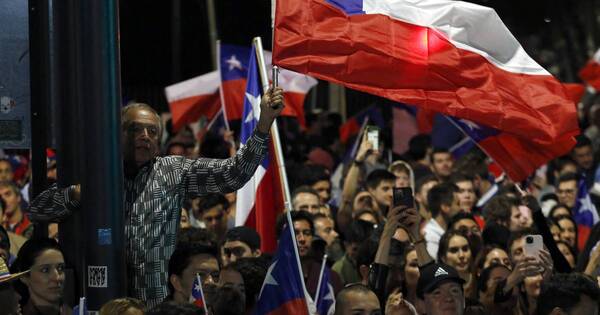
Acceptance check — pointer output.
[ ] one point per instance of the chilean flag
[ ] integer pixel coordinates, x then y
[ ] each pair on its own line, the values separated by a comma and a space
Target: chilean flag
452, 57
193, 98
197, 296
234, 70
590, 74
584, 213
283, 290
325, 298
517, 156
261, 199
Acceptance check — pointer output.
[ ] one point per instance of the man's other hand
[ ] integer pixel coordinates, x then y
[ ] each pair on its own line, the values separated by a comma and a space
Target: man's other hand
271, 106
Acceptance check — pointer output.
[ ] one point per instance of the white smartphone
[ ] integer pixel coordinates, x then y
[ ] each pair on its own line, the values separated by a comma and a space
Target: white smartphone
373, 137
533, 245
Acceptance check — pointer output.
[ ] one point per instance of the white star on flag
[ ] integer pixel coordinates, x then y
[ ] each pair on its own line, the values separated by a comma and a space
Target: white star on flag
255, 102
471, 125
233, 63
269, 278
197, 287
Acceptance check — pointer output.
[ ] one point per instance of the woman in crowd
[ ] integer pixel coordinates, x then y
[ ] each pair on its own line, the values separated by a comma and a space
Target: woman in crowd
42, 289
530, 290
568, 252
455, 251
490, 255
558, 211
404, 174
568, 230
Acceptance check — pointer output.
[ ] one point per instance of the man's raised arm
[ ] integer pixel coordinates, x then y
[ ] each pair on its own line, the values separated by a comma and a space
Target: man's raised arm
54, 204
203, 176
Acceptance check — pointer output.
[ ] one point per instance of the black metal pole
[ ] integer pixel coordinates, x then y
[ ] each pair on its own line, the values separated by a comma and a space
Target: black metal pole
102, 184
39, 69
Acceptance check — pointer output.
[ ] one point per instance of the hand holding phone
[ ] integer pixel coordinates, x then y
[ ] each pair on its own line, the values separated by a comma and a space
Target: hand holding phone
373, 137
533, 245
403, 197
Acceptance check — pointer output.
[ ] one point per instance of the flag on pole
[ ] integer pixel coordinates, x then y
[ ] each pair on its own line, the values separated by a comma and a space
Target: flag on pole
453, 57
352, 126
193, 98
590, 73
283, 290
261, 199
584, 213
197, 296
326, 297
517, 156
81, 308
234, 71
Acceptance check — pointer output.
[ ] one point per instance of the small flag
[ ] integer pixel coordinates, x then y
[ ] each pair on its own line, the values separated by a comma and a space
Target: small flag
584, 213
325, 299
81, 308
197, 297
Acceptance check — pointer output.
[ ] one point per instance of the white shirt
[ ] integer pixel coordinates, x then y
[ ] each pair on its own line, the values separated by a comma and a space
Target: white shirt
433, 233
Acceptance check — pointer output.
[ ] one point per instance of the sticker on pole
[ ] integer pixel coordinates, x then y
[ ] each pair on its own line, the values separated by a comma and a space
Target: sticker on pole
98, 276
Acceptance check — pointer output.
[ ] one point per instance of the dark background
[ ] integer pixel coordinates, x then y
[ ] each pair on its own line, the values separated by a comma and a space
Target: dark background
559, 34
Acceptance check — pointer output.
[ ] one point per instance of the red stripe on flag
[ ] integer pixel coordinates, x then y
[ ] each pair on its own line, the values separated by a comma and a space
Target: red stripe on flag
590, 74
575, 91
233, 95
294, 106
349, 129
292, 307
367, 52
583, 233
189, 110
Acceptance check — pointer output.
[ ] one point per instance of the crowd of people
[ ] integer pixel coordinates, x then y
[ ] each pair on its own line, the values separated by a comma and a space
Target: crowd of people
460, 250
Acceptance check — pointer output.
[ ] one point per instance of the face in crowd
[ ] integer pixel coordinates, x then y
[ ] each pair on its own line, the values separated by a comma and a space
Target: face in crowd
204, 265
323, 188
441, 164
11, 198
383, 193
305, 201
304, 237
458, 254
140, 135
567, 193
466, 195
325, 229
234, 250
447, 298
357, 302
6, 172
46, 278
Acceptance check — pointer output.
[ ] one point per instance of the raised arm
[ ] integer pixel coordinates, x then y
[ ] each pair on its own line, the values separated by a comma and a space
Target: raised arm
203, 176
55, 204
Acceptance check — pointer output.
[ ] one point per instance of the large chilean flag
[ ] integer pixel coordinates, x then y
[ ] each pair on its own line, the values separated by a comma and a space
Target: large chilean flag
261, 199
452, 57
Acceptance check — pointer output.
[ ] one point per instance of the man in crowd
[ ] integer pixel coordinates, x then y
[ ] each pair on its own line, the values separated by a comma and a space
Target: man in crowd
355, 234
422, 188
187, 261
583, 155
305, 198
441, 287
466, 191
212, 210
325, 230
155, 188
14, 219
380, 184
570, 294
240, 242
441, 164
504, 210
443, 204
357, 299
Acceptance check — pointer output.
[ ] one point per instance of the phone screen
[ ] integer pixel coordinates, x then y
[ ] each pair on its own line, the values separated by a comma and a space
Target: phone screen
404, 197
373, 137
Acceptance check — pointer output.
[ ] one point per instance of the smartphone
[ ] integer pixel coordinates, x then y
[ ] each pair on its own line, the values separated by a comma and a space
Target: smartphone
533, 245
275, 76
404, 197
373, 137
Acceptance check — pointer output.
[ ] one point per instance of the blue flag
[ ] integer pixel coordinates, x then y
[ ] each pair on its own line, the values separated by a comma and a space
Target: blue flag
283, 289
326, 299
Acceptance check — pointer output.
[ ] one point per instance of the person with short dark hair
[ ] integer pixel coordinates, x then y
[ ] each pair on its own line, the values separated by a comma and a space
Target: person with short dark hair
571, 294
443, 205
241, 241
253, 272
187, 261
357, 298
466, 190
227, 302
325, 230
504, 210
212, 210
380, 184
6, 171
583, 155
441, 287
356, 233
307, 199
441, 163
15, 219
